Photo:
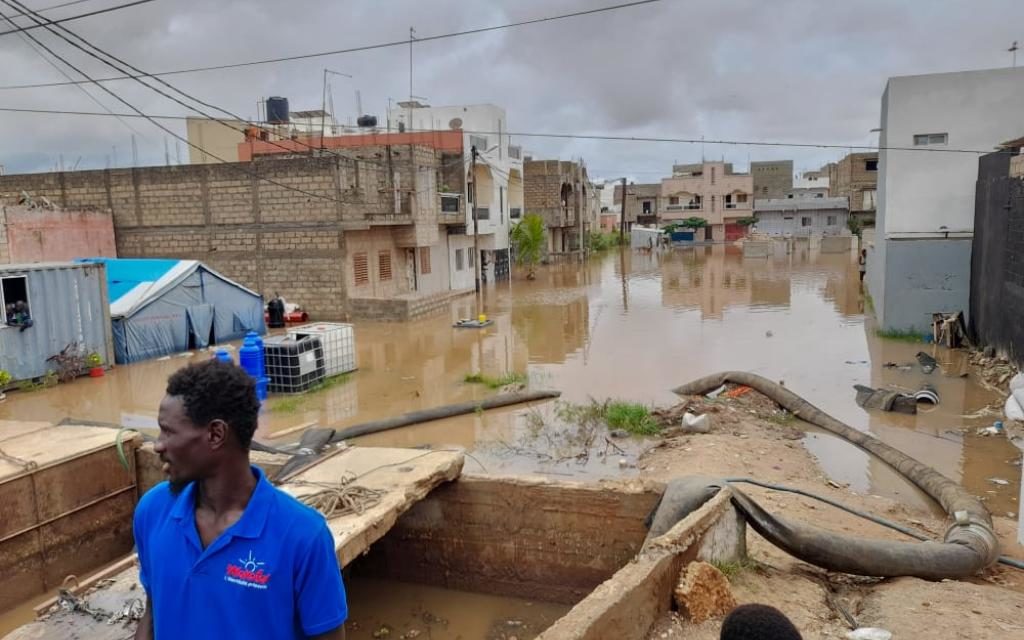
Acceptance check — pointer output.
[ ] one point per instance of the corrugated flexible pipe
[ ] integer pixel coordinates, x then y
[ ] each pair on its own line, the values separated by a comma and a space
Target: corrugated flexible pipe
969, 544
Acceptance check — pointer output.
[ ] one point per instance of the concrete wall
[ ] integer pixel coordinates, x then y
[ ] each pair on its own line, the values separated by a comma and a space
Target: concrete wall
929, 197
42, 235
242, 220
924, 277
713, 184
542, 189
779, 223
772, 178
636, 196
461, 277
215, 139
978, 109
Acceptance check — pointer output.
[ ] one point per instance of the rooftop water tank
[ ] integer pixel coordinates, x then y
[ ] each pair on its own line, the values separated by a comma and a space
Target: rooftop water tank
277, 110
366, 121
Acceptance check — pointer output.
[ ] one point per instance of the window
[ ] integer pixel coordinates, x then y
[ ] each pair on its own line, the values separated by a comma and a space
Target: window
459, 264
871, 165
471, 259
480, 142
425, 260
831, 221
764, 189
805, 221
384, 265
673, 199
647, 206
450, 204
501, 204
923, 139
361, 268
515, 213
741, 197
712, 175
14, 299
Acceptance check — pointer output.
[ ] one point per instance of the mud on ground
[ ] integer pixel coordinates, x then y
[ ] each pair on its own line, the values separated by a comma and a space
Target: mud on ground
752, 437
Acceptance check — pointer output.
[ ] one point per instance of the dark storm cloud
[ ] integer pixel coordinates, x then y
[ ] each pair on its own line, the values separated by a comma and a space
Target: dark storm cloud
787, 70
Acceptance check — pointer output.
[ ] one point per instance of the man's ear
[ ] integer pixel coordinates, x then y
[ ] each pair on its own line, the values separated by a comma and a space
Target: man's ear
217, 433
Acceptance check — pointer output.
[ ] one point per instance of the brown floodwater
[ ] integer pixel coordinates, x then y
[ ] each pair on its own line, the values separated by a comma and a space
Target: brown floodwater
389, 609
625, 326
628, 326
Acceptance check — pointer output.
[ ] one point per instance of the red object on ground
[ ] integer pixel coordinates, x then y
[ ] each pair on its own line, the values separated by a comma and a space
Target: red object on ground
97, 372
737, 392
294, 316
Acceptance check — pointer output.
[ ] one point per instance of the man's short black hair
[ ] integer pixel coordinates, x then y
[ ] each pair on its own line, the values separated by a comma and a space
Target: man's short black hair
758, 622
213, 390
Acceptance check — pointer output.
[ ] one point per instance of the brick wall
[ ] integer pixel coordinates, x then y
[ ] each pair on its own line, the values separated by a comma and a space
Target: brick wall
5, 256
241, 221
542, 190
772, 178
850, 178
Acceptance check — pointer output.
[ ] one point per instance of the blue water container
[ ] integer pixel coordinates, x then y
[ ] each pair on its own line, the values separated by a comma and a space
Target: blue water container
222, 355
258, 341
250, 358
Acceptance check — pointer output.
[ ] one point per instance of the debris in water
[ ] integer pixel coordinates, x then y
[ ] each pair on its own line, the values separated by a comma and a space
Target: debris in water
927, 362
999, 481
856, 362
383, 632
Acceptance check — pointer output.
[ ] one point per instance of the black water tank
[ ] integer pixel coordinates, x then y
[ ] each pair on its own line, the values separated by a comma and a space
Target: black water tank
277, 110
366, 121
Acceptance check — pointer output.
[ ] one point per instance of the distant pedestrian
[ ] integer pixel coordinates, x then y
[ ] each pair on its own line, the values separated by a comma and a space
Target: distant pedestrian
862, 263
758, 622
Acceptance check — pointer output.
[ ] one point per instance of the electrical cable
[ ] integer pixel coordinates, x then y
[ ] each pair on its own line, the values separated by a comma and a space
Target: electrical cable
76, 17
382, 45
162, 127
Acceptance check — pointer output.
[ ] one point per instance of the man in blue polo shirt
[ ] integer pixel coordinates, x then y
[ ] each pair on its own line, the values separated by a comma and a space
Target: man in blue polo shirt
223, 554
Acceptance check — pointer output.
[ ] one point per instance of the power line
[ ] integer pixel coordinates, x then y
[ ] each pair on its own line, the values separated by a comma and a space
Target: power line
136, 110
61, 5
77, 17
61, 71
382, 45
570, 136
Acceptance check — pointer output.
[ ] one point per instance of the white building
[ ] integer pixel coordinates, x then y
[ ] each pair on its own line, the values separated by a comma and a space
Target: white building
920, 262
802, 216
810, 183
498, 178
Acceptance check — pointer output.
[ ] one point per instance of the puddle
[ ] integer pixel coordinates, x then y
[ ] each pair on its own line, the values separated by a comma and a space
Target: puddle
627, 326
400, 610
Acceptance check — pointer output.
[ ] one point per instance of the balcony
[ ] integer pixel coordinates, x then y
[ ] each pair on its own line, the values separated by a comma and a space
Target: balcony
674, 207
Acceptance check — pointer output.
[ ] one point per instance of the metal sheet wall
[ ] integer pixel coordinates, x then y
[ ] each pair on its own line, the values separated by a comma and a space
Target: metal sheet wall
68, 303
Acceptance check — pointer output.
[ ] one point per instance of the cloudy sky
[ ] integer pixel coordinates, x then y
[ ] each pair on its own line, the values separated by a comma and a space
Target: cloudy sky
755, 70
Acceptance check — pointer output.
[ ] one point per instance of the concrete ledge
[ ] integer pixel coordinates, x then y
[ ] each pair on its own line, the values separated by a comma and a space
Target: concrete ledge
836, 244
758, 249
630, 602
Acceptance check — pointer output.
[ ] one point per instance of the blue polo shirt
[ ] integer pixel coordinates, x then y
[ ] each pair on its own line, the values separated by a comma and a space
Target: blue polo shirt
272, 574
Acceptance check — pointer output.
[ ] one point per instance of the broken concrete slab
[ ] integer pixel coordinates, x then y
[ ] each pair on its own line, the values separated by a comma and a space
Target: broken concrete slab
703, 593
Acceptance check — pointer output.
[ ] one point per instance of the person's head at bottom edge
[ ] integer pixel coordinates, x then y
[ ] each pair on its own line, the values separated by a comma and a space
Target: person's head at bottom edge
758, 622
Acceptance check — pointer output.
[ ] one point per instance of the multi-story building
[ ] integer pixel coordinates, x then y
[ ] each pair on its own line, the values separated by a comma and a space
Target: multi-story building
497, 180
855, 178
642, 202
559, 192
772, 178
712, 191
920, 262
810, 183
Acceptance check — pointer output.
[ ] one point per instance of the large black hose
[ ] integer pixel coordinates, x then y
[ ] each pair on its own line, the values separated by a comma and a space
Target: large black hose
969, 545
438, 413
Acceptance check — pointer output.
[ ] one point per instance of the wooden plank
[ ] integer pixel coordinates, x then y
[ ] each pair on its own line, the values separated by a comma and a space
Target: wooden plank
14, 428
405, 475
47, 447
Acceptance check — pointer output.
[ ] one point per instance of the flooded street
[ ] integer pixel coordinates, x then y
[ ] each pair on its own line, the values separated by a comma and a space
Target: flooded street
630, 327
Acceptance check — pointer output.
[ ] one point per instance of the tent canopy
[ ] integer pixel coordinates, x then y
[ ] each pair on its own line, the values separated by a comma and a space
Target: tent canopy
161, 307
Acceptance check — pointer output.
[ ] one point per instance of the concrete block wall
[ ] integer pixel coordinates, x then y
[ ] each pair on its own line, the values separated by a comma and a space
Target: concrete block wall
243, 221
5, 256
850, 177
772, 178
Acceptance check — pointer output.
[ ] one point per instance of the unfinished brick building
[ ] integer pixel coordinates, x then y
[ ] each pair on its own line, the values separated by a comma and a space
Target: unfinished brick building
558, 191
855, 177
356, 233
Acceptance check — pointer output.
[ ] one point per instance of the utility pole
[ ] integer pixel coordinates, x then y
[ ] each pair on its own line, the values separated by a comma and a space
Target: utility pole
408, 125
581, 202
622, 215
476, 234
1013, 49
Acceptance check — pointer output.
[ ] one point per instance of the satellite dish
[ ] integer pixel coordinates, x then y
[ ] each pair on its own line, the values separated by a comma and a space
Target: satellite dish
455, 123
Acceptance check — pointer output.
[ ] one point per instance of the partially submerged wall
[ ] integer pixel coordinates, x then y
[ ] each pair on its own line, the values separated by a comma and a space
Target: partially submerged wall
516, 536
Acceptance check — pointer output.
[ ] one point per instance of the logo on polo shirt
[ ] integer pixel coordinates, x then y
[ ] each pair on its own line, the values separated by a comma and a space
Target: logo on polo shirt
247, 573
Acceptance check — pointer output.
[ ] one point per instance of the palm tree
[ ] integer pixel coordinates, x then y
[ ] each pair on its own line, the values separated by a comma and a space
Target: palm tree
528, 240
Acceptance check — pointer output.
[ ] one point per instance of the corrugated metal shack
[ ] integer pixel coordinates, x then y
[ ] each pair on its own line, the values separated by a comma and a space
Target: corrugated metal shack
68, 305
